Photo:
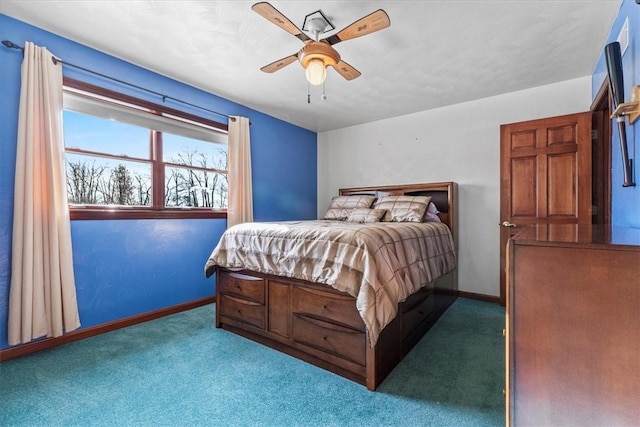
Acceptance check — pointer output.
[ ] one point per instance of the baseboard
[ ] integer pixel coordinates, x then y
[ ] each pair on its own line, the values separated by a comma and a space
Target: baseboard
33, 347
480, 297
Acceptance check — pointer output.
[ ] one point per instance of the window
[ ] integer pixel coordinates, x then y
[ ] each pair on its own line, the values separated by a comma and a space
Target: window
127, 158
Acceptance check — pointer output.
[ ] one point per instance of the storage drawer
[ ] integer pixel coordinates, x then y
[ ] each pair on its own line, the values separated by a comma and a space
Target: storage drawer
251, 288
337, 308
415, 310
338, 340
242, 310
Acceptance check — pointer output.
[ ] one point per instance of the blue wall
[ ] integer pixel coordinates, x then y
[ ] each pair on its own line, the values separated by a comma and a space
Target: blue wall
625, 201
129, 267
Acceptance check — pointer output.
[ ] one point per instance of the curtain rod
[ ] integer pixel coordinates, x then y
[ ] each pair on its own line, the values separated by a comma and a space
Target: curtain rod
164, 97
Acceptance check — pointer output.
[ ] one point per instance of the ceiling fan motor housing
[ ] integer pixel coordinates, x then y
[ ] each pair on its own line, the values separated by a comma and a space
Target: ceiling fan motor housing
318, 50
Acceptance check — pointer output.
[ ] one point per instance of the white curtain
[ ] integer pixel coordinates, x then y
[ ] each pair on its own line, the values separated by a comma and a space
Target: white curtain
42, 296
240, 207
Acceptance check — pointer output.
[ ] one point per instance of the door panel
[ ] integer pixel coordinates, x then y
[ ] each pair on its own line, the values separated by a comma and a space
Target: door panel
521, 140
561, 135
545, 175
562, 196
523, 192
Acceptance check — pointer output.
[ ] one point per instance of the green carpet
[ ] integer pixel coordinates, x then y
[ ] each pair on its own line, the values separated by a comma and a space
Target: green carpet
182, 371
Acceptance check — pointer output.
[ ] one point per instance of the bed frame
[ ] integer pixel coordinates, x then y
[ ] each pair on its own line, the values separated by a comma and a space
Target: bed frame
320, 325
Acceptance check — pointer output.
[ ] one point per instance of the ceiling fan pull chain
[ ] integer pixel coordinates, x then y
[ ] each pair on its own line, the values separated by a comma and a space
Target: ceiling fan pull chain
324, 96
308, 93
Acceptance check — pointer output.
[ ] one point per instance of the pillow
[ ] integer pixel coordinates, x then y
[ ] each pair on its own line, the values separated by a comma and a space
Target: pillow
341, 206
403, 208
337, 214
365, 215
432, 213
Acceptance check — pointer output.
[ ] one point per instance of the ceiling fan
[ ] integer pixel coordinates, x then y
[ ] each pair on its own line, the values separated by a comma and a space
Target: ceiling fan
316, 55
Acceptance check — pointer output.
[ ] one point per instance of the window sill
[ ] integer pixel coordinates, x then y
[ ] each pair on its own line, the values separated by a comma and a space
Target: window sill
98, 213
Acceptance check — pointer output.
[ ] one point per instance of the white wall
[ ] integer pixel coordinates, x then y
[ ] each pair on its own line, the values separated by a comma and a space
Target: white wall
458, 143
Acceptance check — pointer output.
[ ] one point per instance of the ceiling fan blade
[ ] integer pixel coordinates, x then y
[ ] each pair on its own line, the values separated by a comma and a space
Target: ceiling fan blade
346, 70
371, 23
272, 14
280, 63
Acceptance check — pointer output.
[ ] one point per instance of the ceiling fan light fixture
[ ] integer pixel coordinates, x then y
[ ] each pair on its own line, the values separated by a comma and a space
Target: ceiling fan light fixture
316, 72
315, 57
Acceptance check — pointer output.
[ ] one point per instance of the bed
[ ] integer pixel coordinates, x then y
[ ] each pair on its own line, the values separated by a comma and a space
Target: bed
337, 292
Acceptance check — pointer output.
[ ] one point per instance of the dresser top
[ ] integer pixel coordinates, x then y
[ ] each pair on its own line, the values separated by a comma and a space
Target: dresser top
582, 235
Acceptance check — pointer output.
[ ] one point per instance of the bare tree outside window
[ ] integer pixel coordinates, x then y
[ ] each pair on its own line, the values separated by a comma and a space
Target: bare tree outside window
83, 180
198, 183
93, 183
118, 189
97, 181
142, 187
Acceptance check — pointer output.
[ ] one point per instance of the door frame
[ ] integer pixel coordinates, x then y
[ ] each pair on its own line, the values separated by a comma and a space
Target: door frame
601, 152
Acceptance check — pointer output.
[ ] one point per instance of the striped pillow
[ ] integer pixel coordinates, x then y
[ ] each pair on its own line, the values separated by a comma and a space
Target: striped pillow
341, 206
403, 208
366, 215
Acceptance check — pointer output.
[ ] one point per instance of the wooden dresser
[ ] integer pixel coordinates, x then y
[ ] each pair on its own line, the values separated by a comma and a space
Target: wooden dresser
573, 327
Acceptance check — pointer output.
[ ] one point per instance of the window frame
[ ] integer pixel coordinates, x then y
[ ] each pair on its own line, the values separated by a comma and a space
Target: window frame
157, 210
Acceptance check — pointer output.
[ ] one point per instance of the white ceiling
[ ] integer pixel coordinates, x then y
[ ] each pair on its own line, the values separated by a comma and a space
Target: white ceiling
435, 53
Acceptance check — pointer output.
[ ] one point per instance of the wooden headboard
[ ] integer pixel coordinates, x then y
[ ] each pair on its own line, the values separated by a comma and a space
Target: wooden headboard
443, 194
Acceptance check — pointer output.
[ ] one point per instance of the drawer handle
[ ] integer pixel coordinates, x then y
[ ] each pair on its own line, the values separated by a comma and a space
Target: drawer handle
324, 307
420, 312
324, 338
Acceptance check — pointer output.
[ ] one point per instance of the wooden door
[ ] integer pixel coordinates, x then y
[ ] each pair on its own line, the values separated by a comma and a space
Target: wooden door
545, 176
